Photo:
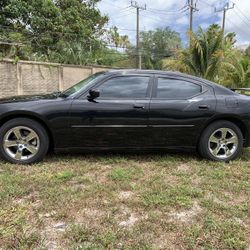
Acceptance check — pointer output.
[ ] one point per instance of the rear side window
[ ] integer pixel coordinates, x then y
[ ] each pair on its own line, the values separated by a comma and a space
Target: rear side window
176, 89
129, 87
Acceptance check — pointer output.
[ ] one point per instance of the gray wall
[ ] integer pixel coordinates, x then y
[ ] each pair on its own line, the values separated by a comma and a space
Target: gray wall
24, 78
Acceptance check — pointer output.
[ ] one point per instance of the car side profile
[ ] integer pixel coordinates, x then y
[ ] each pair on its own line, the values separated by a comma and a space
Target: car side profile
124, 110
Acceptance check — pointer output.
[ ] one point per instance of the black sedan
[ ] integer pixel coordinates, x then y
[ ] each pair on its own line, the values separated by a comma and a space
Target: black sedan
127, 109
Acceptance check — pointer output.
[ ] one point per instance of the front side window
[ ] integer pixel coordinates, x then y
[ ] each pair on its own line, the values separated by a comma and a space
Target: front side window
176, 89
126, 87
82, 85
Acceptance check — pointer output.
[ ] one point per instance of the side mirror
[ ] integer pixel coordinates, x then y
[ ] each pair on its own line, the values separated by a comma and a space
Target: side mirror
93, 94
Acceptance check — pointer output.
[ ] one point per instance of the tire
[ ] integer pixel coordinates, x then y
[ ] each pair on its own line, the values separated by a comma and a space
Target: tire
31, 146
221, 141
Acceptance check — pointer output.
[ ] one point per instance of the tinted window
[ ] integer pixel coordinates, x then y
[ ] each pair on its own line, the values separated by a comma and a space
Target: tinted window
125, 87
83, 84
176, 89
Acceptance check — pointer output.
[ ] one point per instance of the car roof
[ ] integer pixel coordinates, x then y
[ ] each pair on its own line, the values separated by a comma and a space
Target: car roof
156, 72
144, 71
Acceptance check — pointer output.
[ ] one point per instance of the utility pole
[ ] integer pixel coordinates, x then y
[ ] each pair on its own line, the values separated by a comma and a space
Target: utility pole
134, 4
225, 8
192, 8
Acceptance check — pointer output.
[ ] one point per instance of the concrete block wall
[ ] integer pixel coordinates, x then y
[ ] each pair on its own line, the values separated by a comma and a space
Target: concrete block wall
28, 78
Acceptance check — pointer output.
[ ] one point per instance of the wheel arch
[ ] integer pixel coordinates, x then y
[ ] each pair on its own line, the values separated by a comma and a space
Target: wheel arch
234, 119
32, 116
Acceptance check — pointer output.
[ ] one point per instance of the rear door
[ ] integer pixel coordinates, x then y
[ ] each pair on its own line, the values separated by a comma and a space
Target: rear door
118, 118
178, 108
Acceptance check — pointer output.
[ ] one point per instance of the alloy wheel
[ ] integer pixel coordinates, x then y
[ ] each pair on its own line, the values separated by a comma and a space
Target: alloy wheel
223, 143
21, 143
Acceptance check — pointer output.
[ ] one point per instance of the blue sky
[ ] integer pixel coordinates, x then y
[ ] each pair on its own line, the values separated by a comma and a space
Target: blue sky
162, 13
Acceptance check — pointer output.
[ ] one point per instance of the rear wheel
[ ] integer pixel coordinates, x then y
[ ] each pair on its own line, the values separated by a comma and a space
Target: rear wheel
221, 141
23, 141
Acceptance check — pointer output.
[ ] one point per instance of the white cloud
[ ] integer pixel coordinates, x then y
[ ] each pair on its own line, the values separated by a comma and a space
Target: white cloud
183, 20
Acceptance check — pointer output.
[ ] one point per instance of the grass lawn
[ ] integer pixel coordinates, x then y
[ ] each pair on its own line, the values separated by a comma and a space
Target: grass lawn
130, 201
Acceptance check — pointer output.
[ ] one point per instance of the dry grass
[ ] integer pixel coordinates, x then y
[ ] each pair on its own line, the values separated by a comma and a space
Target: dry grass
145, 201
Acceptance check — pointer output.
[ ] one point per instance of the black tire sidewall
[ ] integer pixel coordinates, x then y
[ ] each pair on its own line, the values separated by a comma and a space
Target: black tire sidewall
203, 145
37, 127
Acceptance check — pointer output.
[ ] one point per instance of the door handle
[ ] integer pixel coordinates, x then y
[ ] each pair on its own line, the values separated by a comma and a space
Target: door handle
204, 107
138, 106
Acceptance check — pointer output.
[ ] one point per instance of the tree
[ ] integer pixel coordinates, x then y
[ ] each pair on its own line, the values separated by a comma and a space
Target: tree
125, 41
48, 27
207, 54
157, 45
115, 37
247, 52
236, 71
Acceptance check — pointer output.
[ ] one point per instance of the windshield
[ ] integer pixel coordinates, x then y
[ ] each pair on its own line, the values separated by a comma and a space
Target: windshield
84, 84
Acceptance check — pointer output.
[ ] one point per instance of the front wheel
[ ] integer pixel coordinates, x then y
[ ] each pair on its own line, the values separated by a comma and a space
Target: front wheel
23, 141
221, 141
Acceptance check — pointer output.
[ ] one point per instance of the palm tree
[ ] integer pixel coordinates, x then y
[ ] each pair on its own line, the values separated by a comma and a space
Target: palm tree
237, 72
207, 53
115, 37
124, 41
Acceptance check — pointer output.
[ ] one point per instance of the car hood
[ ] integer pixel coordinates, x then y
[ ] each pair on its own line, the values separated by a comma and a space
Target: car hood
28, 98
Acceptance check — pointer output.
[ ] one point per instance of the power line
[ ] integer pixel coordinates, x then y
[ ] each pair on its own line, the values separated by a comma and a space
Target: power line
248, 24
47, 31
242, 13
113, 52
240, 16
238, 28
130, 12
208, 4
170, 11
57, 32
128, 9
156, 18
121, 29
159, 12
113, 5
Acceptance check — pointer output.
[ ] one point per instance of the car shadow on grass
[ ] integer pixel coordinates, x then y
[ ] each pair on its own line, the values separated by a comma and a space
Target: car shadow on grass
154, 155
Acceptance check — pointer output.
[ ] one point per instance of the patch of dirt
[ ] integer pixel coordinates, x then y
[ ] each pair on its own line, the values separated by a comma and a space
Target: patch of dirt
52, 233
168, 240
93, 212
187, 215
77, 186
241, 222
229, 199
184, 167
196, 180
32, 198
19, 200
233, 199
47, 215
171, 179
91, 216
124, 195
127, 218
100, 174
132, 219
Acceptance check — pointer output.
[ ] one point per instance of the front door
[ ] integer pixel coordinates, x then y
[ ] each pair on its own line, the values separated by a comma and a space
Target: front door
118, 118
178, 109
